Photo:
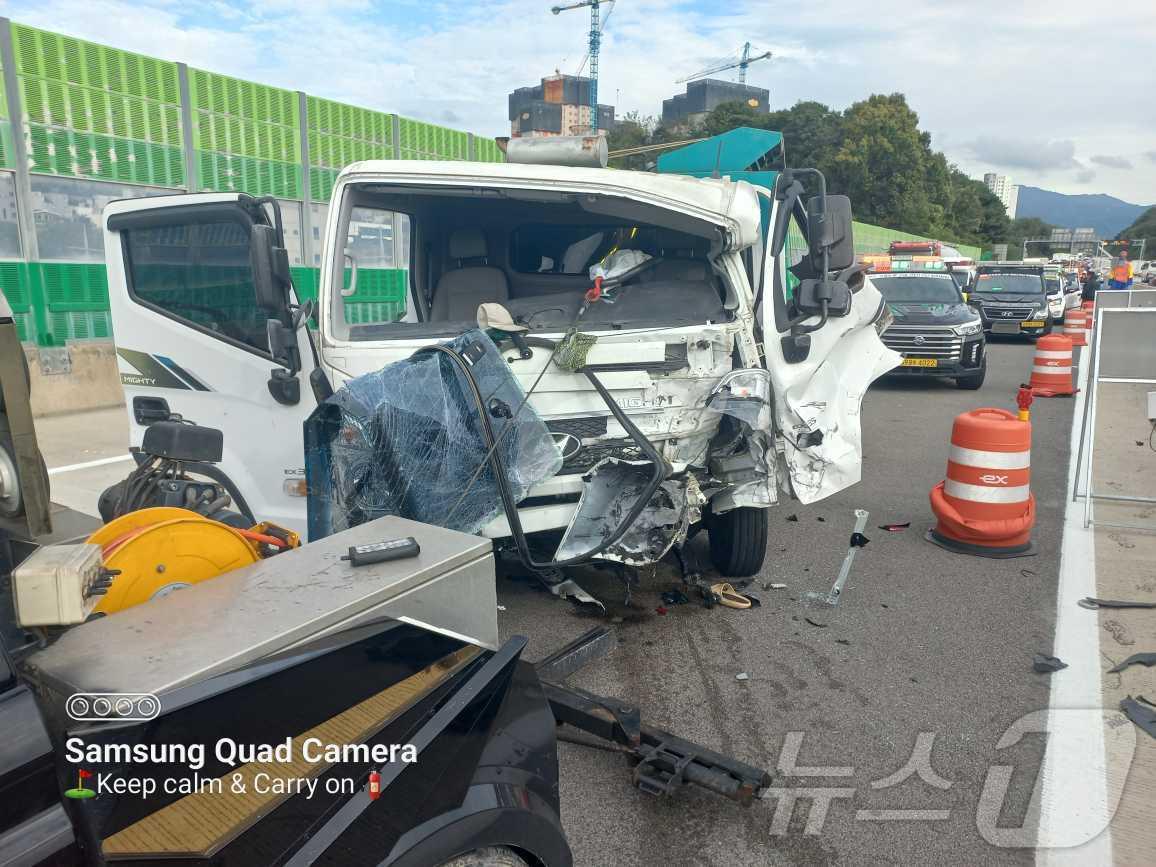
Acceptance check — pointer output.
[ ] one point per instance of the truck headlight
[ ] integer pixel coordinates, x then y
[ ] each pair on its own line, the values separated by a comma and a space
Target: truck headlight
968, 328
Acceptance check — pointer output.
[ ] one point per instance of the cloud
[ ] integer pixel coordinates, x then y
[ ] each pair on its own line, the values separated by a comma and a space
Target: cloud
1034, 155
974, 86
1150, 156
1111, 162
1085, 176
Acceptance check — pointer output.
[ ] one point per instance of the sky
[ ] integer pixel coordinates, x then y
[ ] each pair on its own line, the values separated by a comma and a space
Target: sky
1054, 93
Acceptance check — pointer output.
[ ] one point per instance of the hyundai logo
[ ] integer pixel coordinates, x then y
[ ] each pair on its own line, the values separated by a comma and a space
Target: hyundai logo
568, 444
919, 340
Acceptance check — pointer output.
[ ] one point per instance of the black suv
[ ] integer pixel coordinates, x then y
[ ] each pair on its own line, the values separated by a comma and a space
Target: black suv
934, 330
1011, 299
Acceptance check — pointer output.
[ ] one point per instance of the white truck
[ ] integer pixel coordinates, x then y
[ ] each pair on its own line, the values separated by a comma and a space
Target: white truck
739, 352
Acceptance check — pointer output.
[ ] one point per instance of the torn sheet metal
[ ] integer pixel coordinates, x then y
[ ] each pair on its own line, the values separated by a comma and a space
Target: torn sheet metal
818, 399
408, 440
610, 490
745, 463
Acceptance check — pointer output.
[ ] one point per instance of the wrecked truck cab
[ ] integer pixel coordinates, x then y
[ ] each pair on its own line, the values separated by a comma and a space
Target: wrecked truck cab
685, 325
675, 346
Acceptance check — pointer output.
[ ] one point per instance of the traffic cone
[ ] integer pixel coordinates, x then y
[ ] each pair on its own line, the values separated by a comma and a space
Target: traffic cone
1052, 367
985, 505
1076, 326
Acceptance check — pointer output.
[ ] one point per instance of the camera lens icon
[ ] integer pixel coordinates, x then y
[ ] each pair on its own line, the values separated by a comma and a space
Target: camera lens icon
78, 707
113, 707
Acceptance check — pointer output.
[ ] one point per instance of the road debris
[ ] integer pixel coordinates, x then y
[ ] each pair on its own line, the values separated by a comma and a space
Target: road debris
729, 597
742, 675
1142, 714
1092, 603
895, 528
1047, 664
1119, 632
857, 541
569, 588
819, 623
1148, 659
675, 597
794, 518
771, 585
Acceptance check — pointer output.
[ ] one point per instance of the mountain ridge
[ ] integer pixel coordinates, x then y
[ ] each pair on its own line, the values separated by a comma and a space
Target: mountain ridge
1106, 214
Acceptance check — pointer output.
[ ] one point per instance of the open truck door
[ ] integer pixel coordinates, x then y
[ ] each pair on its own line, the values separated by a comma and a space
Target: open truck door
207, 329
820, 328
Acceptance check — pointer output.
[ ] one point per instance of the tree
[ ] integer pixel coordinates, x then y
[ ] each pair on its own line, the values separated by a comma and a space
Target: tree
1144, 227
882, 164
873, 152
632, 130
812, 133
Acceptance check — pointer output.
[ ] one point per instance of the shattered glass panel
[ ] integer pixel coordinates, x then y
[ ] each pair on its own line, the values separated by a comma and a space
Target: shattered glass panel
408, 440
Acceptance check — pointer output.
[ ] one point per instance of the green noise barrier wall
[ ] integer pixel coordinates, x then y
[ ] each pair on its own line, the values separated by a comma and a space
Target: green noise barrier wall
95, 112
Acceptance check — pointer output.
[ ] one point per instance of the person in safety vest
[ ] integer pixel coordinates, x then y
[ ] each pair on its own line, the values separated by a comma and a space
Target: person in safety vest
1121, 277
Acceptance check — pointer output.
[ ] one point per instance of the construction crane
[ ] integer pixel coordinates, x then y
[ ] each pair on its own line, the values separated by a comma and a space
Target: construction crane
742, 62
595, 46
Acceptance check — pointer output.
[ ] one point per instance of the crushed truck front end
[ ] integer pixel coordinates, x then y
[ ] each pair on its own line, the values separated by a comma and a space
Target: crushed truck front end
659, 275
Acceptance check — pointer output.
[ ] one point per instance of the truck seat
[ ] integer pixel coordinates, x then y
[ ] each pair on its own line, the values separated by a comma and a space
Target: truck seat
472, 282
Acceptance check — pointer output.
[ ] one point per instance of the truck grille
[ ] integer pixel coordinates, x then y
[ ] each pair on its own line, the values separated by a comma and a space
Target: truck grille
583, 428
588, 456
924, 341
1002, 312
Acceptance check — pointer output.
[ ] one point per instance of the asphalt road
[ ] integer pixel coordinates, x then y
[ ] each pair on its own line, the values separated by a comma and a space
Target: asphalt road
924, 641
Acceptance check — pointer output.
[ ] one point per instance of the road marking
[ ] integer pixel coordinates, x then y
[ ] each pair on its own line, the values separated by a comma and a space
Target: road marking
99, 462
1075, 785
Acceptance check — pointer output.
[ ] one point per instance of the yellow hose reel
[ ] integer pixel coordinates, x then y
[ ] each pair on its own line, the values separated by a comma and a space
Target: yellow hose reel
163, 549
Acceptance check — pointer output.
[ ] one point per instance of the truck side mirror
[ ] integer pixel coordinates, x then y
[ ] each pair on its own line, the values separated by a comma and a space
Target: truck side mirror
270, 265
829, 228
283, 382
823, 295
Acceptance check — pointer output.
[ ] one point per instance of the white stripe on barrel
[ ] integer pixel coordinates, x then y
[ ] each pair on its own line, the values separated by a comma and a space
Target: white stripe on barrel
990, 460
981, 494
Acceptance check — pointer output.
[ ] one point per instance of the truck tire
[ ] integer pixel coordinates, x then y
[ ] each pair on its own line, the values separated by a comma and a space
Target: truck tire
738, 541
490, 856
11, 497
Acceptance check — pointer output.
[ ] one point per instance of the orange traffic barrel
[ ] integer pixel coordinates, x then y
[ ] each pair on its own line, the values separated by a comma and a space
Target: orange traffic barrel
985, 505
1076, 326
1052, 367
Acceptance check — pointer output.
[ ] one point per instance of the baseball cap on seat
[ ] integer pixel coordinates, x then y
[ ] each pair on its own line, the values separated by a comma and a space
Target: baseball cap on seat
496, 316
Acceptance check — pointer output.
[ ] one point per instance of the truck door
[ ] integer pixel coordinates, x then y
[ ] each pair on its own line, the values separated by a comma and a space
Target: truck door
190, 320
818, 393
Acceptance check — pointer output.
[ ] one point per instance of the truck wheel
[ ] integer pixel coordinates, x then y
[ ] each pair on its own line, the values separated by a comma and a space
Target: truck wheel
973, 382
738, 541
11, 497
491, 856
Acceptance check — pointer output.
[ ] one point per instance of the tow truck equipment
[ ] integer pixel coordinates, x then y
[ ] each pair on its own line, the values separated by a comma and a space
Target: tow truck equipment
298, 644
